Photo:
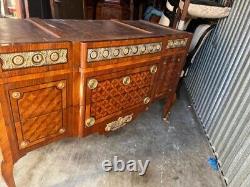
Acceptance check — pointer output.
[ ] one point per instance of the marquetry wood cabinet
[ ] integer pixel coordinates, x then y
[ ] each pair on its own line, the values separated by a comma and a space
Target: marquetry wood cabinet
72, 78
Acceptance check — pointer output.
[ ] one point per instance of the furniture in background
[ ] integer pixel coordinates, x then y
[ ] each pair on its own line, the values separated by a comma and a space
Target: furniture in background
67, 9
113, 9
12, 8
72, 78
37, 8
208, 9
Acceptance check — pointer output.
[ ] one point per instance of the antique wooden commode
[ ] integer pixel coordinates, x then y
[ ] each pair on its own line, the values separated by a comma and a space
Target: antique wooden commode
65, 78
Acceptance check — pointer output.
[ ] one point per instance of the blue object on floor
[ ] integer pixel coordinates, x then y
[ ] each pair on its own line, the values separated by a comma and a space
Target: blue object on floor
213, 163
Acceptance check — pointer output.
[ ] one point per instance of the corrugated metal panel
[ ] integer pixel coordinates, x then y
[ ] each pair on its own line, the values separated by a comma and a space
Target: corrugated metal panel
219, 84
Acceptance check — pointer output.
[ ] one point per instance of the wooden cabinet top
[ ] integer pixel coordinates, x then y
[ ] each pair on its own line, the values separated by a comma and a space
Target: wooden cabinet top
36, 30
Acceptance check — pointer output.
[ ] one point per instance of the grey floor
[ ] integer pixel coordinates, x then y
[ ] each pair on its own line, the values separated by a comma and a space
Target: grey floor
177, 151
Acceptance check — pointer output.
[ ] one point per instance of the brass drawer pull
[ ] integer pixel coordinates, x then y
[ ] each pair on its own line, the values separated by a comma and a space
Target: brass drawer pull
62, 130
60, 85
153, 69
24, 144
146, 100
126, 80
92, 84
90, 122
16, 95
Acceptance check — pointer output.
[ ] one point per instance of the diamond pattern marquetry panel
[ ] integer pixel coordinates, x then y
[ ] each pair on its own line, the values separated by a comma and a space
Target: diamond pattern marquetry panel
40, 127
39, 102
112, 95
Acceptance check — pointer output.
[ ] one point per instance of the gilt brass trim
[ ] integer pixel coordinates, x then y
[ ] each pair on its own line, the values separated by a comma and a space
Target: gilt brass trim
60, 85
90, 122
24, 144
98, 54
33, 59
16, 95
126, 80
92, 83
177, 43
120, 122
153, 69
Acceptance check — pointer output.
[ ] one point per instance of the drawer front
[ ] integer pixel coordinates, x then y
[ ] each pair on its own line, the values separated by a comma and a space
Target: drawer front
33, 59
30, 58
170, 75
39, 112
118, 92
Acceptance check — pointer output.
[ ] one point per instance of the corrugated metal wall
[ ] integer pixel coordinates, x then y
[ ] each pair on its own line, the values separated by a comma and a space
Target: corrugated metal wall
219, 85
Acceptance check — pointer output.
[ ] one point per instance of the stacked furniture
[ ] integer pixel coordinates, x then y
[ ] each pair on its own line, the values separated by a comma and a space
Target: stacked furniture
71, 78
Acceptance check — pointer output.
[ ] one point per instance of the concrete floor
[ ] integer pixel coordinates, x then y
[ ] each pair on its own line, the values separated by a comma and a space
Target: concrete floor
177, 151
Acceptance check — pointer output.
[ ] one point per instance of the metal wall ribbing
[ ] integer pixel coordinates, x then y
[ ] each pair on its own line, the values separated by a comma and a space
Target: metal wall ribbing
219, 84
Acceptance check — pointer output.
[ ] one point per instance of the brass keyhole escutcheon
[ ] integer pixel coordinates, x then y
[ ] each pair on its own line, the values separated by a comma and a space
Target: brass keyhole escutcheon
60, 85
92, 84
16, 95
37, 58
153, 69
126, 80
90, 122
146, 100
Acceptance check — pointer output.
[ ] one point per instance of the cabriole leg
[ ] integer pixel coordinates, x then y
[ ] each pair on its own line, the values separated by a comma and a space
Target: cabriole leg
170, 101
7, 173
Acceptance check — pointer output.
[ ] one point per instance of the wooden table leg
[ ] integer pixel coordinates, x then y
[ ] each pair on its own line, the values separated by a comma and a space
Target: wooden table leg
7, 173
7, 164
170, 101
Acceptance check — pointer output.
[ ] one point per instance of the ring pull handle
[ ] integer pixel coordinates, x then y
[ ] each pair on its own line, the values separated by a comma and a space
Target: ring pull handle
153, 69
146, 100
62, 130
126, 80
16, 95
90, 122
92, 84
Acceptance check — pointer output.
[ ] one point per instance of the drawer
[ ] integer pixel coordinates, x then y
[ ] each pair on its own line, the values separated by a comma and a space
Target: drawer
176, 44
111, 95
34, 58
106, 53
39, 112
